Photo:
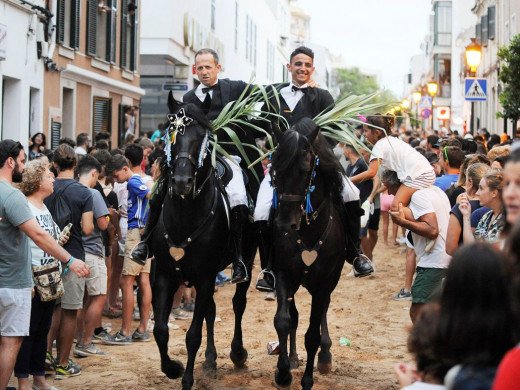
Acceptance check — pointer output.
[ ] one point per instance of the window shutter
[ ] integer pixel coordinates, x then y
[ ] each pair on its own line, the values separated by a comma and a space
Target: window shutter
484, 26
124, 26
111, 32
478, 33
75, 23
92, 6
133, 47
55, 134
101, 115
491, 22
60, 32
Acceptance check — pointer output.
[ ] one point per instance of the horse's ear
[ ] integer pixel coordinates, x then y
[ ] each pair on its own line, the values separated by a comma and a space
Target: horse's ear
173, 105
313, 134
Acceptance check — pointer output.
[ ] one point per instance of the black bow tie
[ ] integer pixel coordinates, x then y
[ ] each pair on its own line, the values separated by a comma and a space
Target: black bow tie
294, 88
207, 89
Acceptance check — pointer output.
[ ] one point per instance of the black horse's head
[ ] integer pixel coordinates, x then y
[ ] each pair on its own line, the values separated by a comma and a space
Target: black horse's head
191, 128
292, 168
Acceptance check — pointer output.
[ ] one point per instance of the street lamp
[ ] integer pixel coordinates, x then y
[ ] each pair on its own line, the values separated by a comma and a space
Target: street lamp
432, 87
416, 95
405, 104
473, 57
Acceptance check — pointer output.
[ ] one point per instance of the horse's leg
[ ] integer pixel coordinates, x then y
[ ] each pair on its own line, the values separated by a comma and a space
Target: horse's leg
324, 356
282, 323
162, 298
320, 302
204, 290
238, 353
293, 355
210, 364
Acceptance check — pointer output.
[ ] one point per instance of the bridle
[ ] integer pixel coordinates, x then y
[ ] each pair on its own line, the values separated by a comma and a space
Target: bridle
304, 198
178, 124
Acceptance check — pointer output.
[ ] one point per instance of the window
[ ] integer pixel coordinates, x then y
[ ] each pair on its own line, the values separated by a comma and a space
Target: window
68, 17
102, 115
506, 33
484, 24
512, 33
491, 22
129, 28
443, 23
213, 14
236, 26
478, 33
101, 29
442, 69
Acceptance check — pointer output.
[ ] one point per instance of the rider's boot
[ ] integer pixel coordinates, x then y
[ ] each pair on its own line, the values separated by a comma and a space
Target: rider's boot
352, 222
239, 216
142, 250
265, 245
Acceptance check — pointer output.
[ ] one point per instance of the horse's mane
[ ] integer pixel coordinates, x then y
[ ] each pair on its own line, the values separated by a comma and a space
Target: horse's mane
290, 147
287, 151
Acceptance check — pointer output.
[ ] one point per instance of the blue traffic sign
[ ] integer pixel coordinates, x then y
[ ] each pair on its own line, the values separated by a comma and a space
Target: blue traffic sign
475, 89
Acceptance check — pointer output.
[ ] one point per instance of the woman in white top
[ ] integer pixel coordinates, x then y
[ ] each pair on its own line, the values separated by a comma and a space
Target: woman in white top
37, 184
413, 169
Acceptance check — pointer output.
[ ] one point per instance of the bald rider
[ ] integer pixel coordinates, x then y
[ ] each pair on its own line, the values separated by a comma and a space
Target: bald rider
211, 96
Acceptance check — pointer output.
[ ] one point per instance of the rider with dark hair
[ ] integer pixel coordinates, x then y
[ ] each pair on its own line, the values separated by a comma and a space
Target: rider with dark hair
298, 100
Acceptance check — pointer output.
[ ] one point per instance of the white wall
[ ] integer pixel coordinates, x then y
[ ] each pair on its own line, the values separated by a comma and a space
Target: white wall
20, 72
463, 28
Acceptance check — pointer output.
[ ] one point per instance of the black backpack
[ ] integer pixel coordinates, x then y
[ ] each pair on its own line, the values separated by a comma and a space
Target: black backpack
60, 209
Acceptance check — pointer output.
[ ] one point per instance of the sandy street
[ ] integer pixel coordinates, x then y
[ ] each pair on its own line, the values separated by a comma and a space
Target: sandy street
362, 310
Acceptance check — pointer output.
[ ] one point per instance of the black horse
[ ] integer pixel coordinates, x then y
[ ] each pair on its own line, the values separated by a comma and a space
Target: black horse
309, 243
191, 244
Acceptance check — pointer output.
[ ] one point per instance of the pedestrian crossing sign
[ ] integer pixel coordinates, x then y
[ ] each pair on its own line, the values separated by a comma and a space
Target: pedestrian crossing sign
475, 89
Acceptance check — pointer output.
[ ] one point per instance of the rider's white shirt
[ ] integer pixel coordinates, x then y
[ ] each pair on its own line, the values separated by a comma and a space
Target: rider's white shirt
201, 95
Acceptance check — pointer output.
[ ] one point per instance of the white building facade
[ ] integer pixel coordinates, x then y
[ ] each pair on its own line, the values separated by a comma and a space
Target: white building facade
250, 37
21, 71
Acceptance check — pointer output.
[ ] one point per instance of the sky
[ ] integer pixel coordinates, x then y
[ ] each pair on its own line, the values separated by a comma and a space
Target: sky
381, 35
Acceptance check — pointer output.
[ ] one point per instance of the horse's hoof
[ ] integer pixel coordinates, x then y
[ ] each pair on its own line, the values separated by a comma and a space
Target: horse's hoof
173, 369
324, 368
282, 381
210, 369
239, 358
294, 363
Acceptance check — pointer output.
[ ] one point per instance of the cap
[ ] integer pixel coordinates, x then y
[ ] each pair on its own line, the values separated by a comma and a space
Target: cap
468, 136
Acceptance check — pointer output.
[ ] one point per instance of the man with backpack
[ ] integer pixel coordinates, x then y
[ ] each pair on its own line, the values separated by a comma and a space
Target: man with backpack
71, 202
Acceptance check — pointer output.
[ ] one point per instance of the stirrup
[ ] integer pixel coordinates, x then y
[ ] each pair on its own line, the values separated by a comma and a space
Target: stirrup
267, 271
246, 278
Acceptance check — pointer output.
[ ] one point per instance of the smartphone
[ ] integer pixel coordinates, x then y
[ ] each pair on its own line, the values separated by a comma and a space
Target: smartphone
67, 228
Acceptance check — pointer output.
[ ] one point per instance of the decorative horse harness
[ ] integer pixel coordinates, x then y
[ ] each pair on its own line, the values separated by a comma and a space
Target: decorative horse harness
308, 256
178, 124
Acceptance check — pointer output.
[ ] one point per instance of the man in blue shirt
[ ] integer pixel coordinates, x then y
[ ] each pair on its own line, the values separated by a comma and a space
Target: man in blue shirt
451, 158
129, 169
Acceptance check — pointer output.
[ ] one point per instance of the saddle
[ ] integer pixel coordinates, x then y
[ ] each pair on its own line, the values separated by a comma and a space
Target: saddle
225, 173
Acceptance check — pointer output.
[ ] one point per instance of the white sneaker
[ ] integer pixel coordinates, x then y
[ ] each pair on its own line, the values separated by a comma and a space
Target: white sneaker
270, 296
180, 314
